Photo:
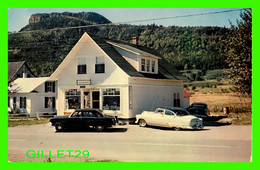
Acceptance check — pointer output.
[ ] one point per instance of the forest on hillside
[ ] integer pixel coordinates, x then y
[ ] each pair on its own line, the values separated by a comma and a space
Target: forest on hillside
184, 47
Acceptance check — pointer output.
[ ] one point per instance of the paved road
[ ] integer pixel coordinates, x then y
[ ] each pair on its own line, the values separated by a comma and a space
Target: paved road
131, 143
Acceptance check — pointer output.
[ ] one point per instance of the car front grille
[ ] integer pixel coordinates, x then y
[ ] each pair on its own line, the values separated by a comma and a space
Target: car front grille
196, 123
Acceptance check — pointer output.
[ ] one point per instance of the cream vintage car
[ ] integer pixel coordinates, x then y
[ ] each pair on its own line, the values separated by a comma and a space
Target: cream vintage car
177, 118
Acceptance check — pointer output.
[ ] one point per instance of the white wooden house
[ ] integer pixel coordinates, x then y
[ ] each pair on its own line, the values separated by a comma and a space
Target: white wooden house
122, 79
32, 96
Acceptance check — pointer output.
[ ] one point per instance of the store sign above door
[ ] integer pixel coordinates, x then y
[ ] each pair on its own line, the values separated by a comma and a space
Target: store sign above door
83, 82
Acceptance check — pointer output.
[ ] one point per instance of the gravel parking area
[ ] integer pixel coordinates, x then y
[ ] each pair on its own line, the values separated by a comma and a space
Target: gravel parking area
131, 143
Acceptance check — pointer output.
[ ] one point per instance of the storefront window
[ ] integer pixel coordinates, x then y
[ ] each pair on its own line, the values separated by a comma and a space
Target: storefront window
111, 99
72, 97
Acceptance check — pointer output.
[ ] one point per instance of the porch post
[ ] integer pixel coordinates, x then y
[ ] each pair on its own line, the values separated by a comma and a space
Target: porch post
82, 98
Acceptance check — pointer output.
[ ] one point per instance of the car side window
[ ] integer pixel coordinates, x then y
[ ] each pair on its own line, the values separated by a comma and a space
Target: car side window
178, 113
92, 114
88, 114
168, 112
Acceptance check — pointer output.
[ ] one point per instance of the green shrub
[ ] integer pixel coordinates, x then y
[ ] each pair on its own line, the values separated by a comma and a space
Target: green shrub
216, 74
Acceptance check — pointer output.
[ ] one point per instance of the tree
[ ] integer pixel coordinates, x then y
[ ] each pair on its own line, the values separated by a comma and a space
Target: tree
198, 76
239, 54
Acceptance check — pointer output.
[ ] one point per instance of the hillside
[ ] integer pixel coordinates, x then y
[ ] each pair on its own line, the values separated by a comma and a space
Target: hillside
185, 47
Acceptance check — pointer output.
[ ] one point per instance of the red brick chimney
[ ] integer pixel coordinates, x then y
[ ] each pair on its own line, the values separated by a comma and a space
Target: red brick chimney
135, 40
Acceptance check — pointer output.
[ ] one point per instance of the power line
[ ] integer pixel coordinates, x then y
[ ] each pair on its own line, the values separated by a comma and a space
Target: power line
127, 22
189, 15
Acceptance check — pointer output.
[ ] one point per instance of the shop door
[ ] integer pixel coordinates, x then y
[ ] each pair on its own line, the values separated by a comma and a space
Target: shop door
95, 99
86, 100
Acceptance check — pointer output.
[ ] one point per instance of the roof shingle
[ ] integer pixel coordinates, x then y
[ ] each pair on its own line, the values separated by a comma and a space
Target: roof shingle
13, 68
165, 70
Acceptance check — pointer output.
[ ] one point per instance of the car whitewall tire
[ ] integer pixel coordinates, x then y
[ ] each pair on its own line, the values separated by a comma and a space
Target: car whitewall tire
59, 127
142, 123
176, 128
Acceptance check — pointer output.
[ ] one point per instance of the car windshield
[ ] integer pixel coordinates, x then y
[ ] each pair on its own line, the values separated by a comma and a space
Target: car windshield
76, 114
199, 105
99, 115
168, 112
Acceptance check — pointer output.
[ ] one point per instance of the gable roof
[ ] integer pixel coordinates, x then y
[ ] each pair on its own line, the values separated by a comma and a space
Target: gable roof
26, 85
165, 69
14, 67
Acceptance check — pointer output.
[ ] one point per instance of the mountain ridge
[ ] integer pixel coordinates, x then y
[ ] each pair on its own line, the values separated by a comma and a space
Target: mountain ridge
65, 19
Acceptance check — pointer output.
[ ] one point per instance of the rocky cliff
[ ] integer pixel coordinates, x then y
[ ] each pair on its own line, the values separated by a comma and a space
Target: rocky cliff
35, 18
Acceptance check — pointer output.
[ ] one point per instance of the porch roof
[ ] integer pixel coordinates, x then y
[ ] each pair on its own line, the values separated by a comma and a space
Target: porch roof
26, 85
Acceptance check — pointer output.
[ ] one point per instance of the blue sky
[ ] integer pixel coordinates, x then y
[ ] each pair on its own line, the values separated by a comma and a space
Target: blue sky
18, 17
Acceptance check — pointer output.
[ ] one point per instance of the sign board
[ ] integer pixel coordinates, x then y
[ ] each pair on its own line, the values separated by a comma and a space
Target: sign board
83, 82
130, 97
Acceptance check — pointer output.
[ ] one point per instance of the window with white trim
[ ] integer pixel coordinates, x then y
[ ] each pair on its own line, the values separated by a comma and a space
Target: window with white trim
23, 102
142, 64
49, 102
153, 66
82, 66
50, 86
148, 65
100, 65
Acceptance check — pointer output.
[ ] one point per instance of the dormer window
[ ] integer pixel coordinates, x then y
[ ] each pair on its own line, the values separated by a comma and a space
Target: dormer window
148, 65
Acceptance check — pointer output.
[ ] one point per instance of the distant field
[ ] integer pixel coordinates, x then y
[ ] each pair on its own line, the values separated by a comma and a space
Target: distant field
217, 101
240, 107
218, 94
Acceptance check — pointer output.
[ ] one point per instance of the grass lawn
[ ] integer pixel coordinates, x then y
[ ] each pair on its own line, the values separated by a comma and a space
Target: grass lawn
30, 121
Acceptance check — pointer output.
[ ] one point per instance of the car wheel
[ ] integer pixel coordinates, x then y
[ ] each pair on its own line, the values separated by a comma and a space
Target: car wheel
99, 128
59, 127
142, 123
176, 128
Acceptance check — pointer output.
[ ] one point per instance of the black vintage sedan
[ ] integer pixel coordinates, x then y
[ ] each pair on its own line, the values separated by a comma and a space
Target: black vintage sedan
83, 118
201, 110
